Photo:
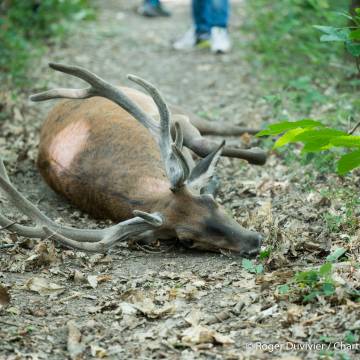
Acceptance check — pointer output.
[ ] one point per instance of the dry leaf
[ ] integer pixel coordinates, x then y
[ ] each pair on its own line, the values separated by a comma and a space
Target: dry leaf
43, 286
293, 314
74, 345
4, 297
98, 351
222, 339
92, 280
193, 318
128, 309
79, 277
199, 334
148, 308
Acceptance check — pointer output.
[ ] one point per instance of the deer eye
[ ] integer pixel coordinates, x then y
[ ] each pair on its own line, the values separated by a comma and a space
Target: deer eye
214, 229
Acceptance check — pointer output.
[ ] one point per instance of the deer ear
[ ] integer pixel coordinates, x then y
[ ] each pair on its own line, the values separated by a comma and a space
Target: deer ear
204, 170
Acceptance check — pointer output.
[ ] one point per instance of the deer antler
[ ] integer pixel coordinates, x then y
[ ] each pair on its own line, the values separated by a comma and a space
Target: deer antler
176, 166
98, 87
84, 239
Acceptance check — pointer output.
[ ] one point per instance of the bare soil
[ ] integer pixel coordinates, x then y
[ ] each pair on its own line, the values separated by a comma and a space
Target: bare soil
171, 302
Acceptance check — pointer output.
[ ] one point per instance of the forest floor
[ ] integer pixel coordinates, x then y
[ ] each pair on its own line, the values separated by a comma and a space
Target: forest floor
181, 304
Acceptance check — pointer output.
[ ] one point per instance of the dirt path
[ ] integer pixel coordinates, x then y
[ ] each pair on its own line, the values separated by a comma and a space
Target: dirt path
144, 304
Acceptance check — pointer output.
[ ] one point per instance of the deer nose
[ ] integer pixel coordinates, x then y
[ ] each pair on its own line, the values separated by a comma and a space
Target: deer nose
254, 245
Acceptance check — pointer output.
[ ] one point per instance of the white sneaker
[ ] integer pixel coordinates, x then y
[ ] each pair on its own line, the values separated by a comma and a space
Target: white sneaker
220, 40
187, 41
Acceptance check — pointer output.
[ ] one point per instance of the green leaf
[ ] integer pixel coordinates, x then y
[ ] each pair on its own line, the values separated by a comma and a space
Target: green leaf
355, 35
336, 254
348, 162
278, 128
328, 289
325, 269
346, 141
283, 289
311, 296
248, 265
264, 254
319, 134
316, 145
259, 269
333, 34
307, 277
288, 137
351, 337
353, 48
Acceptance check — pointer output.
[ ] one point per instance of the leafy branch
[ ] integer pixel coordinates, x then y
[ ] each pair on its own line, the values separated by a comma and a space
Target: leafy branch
349, 35
317, 137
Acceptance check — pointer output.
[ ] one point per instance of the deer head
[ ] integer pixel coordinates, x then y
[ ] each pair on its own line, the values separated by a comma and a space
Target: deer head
185, 211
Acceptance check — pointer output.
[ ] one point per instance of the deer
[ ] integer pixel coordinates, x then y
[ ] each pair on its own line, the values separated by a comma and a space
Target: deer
121, 154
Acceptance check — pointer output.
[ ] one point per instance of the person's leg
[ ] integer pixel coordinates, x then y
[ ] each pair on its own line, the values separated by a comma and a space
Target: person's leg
201, 11
152, 2
219, 13
220, 40
153, 8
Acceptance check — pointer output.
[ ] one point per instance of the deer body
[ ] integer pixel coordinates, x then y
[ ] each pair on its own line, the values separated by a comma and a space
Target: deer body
120, 154
97, 155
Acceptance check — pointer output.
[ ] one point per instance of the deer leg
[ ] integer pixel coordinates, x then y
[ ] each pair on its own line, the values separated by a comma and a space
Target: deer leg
207, 127
202, 146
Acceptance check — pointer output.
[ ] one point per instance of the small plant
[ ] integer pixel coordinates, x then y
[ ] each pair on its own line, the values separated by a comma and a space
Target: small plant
316, 282
249, 266
317, 137
307, 286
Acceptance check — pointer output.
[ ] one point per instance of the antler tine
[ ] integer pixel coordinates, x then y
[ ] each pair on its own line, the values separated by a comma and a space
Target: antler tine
99, 87
142, 222
175, 164
131, 227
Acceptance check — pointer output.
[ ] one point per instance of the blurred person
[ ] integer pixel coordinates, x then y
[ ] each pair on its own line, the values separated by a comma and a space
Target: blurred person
153, 8
210, 27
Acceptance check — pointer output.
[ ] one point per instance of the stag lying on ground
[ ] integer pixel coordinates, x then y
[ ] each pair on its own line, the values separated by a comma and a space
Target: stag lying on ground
129, 157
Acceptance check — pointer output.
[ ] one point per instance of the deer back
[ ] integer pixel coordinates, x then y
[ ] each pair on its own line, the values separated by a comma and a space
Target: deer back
99, 157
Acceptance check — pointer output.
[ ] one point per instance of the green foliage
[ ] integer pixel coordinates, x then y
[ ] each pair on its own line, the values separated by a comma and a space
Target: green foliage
317, 137
286, 48
350, 36
26, 26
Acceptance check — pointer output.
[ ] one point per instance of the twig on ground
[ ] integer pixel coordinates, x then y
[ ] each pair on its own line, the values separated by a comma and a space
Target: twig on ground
6, 246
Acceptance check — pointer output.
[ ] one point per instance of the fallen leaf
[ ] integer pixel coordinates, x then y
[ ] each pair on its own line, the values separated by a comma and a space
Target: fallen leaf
92, 280
199, 334
193, 318
43, 286
148, 308
74, 345
128, 309
98, 351
79, 277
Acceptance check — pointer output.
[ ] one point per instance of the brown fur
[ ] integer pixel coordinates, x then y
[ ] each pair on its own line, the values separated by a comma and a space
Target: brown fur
107, 178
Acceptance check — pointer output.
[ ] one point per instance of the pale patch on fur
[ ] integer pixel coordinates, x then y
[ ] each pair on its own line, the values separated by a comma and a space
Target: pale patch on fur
154, 185
67, 144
